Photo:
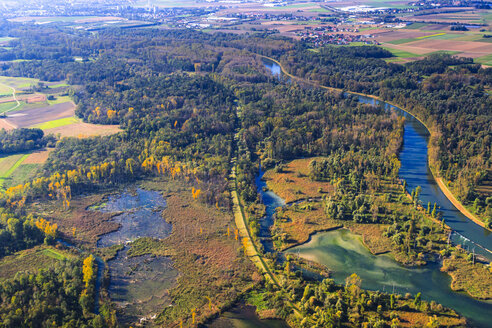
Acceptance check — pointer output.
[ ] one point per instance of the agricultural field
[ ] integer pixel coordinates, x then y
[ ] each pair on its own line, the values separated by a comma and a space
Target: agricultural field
418, 40
32, 117
8, 165
49, 109
72, 127
466, 15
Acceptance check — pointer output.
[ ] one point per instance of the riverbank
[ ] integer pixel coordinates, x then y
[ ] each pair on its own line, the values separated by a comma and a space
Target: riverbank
300, 222
459, 206
460, 270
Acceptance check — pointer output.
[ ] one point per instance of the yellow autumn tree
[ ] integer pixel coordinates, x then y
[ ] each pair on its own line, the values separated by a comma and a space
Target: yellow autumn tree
88, 270
111, 113
48, 228
195, 193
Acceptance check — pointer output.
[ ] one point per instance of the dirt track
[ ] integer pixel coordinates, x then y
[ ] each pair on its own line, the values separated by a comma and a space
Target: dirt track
30, 117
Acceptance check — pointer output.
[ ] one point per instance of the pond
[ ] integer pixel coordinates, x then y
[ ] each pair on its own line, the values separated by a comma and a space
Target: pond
139, 284
140, 218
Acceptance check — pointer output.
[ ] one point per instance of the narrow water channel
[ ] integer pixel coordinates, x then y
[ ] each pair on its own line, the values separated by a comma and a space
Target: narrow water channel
344, 253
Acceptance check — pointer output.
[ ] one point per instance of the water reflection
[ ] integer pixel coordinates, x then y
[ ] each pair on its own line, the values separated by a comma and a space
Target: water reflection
344, 253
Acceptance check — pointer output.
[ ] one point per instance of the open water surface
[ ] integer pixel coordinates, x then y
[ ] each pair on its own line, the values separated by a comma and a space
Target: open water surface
344, 253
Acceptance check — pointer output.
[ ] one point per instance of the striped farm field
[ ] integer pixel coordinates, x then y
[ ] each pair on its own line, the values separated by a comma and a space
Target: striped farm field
9, 164
430, 36
485, 60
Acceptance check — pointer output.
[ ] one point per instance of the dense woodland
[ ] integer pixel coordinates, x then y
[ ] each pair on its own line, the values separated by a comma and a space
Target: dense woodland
60, 296
182, 96
18, 232
21, 140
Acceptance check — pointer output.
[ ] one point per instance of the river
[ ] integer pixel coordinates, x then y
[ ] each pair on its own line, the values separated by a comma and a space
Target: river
344, 253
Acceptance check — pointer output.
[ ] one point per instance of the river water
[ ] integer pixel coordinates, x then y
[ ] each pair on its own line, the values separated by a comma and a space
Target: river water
415, 170
344, 253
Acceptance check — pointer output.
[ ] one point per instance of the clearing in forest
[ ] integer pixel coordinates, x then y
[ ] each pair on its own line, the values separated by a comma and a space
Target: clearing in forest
292, 182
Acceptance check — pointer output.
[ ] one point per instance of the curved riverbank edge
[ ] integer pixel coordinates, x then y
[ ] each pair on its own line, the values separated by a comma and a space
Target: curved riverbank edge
250, 249
459, 206
457, 203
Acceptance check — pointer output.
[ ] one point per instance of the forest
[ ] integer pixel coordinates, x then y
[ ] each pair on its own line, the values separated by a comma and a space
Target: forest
21, 140
190, 104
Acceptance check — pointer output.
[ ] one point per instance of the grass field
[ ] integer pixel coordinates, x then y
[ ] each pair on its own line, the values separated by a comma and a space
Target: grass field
4, 107
293, 183
21, 175
59, 100
401, 41
401, 54
449, 52
18, 82
461, 270
416, 26
5, 90
437, 36
430, 36
84, 130
485, 60
300, 221
31, 260
53, 86
9, 164
319, 10
57, 123
394, 60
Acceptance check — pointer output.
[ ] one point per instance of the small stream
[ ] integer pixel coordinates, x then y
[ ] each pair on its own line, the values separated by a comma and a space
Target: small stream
345, 254
273, 201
